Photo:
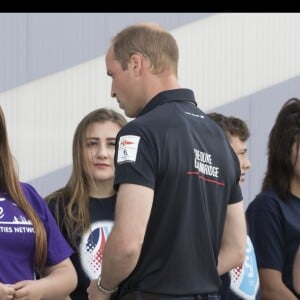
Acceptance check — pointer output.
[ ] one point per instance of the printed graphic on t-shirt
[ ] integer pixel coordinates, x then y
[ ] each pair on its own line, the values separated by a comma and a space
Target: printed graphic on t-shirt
12, 218
194, 115
245, 279
207, 171
91, 248
128, 147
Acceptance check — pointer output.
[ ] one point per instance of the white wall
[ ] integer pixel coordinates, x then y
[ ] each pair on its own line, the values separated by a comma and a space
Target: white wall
230, 60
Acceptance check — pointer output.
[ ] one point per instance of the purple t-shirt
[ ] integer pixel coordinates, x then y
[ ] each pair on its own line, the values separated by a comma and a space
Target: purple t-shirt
17, 238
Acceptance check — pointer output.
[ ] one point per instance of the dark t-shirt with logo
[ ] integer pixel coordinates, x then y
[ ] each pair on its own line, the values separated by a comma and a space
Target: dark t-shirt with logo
88, 257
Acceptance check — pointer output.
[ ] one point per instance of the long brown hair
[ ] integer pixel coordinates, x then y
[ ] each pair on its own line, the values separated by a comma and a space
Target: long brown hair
73, 198
285, 132
9, 183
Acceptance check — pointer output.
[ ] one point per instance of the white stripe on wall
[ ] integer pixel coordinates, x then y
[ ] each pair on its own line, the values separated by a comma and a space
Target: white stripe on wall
222, 57
228, 56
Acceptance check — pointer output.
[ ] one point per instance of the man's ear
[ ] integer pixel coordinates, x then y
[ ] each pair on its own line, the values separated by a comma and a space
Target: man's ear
136, 62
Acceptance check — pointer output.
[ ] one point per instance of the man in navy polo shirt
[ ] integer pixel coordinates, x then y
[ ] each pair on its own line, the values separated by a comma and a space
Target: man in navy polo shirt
176, 174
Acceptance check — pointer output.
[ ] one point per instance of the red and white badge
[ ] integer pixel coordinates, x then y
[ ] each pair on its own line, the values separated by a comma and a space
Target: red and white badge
128, 147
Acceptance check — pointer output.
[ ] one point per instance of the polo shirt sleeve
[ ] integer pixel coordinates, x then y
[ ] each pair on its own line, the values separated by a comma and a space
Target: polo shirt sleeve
135, 158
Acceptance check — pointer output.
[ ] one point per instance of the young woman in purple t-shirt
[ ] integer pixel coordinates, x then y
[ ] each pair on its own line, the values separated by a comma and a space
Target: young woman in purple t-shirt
30, 241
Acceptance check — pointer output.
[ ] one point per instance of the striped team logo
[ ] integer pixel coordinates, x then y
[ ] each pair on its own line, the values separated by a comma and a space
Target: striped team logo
244, 279
91, 248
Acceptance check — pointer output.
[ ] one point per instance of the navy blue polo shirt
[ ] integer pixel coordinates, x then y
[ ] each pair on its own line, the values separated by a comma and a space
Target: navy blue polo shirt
183, 155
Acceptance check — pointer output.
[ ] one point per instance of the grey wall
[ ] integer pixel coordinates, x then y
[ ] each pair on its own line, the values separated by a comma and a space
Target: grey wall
34, 45
259, 110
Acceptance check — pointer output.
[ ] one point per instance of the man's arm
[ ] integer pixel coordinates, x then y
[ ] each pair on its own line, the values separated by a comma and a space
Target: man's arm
123, 246
233, 245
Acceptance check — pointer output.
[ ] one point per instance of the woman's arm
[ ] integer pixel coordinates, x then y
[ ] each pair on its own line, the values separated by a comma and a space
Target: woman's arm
296, 272
272, 287
57, 282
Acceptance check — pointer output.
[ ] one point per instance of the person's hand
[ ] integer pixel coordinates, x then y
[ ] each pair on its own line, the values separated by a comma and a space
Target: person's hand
7, 292
94, 293
27, 289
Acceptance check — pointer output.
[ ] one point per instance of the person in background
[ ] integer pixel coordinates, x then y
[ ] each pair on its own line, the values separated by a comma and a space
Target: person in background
173, 183
241, 282
30, 240
296, 272
84, 208
273, 216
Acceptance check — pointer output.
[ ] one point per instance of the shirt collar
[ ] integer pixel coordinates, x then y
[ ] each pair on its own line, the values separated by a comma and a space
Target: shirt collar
176, 95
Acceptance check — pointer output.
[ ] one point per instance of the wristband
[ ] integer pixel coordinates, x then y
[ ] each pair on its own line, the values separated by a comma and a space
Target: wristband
104, 290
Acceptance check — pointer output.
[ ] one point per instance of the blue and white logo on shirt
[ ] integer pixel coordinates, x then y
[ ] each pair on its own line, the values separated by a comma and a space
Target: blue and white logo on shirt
91, 248
245, 279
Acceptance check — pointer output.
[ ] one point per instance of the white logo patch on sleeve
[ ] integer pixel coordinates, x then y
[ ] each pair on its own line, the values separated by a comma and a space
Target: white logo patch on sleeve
127, 150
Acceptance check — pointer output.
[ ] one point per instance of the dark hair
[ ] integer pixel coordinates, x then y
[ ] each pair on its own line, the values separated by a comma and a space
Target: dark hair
283, 135
232, 126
